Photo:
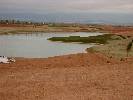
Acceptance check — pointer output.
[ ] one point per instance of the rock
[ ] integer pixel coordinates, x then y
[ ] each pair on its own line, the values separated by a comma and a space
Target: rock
6, 60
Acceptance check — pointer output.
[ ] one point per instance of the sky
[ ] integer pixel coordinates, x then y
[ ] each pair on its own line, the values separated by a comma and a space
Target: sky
44, 6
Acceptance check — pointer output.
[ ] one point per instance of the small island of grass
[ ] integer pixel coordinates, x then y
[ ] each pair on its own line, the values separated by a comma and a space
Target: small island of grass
100, 39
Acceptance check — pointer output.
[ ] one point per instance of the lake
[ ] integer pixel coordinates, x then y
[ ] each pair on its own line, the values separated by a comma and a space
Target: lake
36, 45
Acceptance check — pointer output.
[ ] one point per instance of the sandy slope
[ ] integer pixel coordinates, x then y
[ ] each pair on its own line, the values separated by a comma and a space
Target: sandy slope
72, 77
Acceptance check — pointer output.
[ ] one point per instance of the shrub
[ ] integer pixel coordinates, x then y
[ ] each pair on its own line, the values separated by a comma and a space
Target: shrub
129, 46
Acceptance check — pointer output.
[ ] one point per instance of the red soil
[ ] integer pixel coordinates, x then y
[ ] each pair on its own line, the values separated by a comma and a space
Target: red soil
72, 77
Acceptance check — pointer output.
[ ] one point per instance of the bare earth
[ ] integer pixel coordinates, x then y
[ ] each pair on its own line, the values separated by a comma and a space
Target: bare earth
18, 28
90, 76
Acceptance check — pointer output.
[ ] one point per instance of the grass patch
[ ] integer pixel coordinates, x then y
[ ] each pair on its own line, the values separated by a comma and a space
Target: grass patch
123, 37
100, 39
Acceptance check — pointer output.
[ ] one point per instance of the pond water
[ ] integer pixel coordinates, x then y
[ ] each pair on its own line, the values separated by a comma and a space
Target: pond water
36, 45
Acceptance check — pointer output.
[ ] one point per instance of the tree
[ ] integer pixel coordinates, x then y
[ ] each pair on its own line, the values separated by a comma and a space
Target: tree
18, 22
7, 21
13, 21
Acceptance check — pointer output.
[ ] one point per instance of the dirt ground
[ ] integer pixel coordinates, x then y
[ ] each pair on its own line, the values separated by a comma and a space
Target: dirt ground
88, 76
18, 28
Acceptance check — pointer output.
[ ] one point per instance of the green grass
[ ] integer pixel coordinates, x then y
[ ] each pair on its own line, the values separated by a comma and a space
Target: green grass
101, 39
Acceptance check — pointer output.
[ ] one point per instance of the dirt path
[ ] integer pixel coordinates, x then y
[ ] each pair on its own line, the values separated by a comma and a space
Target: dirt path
72, 77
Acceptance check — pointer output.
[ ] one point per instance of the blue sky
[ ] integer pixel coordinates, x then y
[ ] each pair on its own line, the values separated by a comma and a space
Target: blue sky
43, 6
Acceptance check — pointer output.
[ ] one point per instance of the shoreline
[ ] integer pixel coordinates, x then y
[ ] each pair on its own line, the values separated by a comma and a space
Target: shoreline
123, 32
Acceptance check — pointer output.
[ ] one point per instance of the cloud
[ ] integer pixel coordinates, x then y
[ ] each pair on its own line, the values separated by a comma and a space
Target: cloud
67, 5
